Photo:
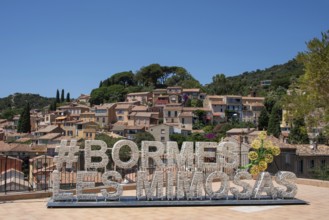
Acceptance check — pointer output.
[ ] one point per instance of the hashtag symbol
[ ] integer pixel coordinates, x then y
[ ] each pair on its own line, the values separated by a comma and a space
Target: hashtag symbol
66, 154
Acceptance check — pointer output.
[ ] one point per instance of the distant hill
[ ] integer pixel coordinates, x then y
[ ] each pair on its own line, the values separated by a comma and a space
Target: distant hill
17, 101
249, 82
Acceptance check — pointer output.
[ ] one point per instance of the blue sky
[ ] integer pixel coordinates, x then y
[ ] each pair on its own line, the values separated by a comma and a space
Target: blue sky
73, 44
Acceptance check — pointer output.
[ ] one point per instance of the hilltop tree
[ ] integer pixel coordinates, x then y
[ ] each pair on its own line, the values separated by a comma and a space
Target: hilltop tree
57, 97
62, 96
149, 75
24, 123
68, 99
219, 85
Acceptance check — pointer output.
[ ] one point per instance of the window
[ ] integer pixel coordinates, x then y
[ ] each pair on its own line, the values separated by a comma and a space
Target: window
163, 131
175, 113
120, 118
103, 119
312, 164
169, 114
323, 163
287, 158
183, 120
163, 139
301, 166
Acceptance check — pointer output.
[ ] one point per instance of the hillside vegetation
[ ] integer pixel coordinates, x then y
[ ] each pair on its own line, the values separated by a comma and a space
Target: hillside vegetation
13, 104
249, 82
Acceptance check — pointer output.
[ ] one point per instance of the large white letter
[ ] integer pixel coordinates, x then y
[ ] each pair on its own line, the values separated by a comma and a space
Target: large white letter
246, 188
224, 185
227, 153
183, 159
264, 184
190, 188
89, 153
282, 178
118, 188
201, 154
116, 154
155, 186
146, 154
81, 175
57, 194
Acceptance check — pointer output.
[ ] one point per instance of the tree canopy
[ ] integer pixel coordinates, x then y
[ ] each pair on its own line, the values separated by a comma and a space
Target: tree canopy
308, 97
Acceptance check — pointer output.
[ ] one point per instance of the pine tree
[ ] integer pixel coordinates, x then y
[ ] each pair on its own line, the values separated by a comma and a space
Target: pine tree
100, 84
274, 121
263, 120
24, 123
68, 99
57, 97
298, 132
62, 96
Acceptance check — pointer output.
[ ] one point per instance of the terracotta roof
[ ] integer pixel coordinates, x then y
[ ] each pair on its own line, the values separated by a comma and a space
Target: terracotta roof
123, 106
140, 108
174, 87
104, 106
233, 96
23, 139
240, 130
118, 127
83, 96
191, 109
87, 113
218, 103
61, 118
69, 138
3, 121
91, 130
49, 136
191, 90
180, 108
73, 107
4, 147
146, 114
253, 98
186, 114
308, 150
215, 97
134, 128
47, 129
138, 93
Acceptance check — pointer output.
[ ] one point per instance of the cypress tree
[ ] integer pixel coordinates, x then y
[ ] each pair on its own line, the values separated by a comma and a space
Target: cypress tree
57, 97
62, 96
298, 132
263, 120
274, 121
68, 99
24, 123
100, 84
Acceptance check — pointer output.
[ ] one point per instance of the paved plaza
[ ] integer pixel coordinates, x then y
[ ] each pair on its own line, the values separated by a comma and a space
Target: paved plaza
318, 198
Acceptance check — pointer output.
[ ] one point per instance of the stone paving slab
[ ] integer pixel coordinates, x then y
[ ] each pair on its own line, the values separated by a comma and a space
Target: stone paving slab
318, 198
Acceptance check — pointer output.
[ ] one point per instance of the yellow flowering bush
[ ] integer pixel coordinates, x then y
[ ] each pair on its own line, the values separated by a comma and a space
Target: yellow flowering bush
262, 154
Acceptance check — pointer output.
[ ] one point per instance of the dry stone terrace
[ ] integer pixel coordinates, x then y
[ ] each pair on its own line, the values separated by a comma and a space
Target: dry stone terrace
317, 197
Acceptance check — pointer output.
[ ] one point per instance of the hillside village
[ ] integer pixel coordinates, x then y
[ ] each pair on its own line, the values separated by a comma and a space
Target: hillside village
143, 111
161, 113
